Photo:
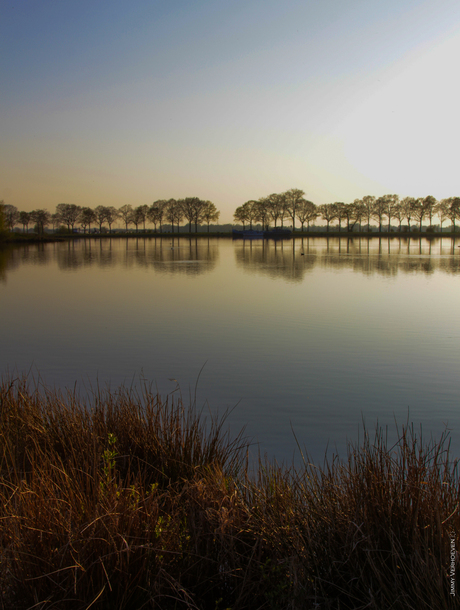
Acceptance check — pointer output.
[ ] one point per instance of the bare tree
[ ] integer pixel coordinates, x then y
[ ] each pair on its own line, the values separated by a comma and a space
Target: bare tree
380, 210
240, 215
341, 212
126, 214
101, 215
390, 202
276, 207
419, 210
170, 212
262, 213
174, 213
306, 212
210, 213
140, 214
41, 218
442, 210
359, 211
350, 213
68, 214
198, 207
329, 212
251, 209
293, 198
368, 202
24, 219
454, 210
111, 215
408, 207
11, 215
137, 216
188, 209
246, 213
156, 212
87, 217
430, 204
55, 221
399, 213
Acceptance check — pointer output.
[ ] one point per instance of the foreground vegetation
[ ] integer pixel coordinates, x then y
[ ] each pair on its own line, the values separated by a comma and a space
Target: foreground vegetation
125, 500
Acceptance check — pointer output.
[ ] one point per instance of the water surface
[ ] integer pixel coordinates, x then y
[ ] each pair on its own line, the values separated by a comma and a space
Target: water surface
311, 335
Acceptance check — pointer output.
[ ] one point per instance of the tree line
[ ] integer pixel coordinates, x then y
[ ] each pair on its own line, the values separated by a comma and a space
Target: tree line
272, 210
173, 211
292, 205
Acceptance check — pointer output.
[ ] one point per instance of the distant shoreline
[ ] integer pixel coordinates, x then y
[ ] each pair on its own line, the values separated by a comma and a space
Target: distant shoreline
27, 238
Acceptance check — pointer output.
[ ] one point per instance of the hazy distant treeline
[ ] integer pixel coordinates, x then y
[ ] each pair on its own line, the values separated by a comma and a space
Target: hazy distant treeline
292, 205
274, 210
173, 211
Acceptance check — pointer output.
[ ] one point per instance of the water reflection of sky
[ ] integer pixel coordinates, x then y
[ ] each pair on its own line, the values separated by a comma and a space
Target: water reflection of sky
317, 340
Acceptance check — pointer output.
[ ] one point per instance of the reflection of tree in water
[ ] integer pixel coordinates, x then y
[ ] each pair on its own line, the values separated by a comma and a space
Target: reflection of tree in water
277, 259
189, 256
388, 257
12, 257
282, 259
75, 255
186, 256
3, 264
382, 256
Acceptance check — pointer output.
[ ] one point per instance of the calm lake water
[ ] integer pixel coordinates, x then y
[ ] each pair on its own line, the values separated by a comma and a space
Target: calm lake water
306, 335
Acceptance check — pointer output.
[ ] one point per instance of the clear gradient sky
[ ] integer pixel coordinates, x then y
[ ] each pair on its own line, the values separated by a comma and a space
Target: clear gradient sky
109, 102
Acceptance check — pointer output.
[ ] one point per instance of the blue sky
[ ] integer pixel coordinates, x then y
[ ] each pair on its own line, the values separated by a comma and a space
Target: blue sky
111, 102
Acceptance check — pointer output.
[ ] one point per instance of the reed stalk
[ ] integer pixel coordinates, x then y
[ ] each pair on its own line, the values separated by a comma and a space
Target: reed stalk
126, 500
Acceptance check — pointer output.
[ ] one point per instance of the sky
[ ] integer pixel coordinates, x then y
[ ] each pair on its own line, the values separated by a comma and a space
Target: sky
110, 102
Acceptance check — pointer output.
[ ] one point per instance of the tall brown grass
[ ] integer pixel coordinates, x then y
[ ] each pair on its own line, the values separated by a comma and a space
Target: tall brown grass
127, 501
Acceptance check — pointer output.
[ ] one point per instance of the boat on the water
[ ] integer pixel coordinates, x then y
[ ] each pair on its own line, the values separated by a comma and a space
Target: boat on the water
278, 233
247, 234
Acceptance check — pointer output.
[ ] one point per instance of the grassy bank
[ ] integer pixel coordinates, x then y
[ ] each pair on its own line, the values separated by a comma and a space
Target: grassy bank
125, 500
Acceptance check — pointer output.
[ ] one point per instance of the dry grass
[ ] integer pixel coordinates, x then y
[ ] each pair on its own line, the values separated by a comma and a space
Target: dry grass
125, 501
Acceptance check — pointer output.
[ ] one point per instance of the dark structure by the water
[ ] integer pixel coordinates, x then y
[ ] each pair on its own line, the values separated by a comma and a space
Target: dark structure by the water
267, 234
